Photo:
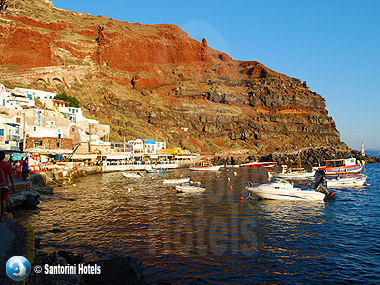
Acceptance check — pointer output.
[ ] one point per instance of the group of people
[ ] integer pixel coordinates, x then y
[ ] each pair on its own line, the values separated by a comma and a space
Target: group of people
6, 171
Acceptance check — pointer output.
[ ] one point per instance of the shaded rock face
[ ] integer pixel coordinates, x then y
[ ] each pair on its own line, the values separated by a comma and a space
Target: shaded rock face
154, 81
24, 199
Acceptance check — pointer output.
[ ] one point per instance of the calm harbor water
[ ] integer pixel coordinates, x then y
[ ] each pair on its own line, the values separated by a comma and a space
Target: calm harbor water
214, 236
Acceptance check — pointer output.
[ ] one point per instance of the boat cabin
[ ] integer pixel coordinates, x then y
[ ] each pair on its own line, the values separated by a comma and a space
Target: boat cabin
341, 162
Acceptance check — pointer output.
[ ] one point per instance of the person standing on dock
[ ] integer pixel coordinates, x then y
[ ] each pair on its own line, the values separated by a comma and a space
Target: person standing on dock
8, 172
25, 169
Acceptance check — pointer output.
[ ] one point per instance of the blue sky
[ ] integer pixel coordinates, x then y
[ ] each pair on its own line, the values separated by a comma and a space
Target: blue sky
332, 45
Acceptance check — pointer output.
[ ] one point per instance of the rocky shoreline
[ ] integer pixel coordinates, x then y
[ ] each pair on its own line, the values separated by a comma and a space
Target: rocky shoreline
309, 157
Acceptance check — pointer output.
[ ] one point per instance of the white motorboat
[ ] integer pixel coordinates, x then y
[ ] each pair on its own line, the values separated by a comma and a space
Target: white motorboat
131, 174
176, 181
188, 188
259, 164
205, 167
292, 173
346, 181
280, 189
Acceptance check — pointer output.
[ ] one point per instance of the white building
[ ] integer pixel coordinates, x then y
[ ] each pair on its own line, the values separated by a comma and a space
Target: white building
32, 94
145, 146
7, 100
74, 114
10, 133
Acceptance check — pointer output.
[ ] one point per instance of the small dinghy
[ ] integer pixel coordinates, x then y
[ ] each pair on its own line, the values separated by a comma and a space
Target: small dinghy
155, 171
188, 188
176, 181
131, 174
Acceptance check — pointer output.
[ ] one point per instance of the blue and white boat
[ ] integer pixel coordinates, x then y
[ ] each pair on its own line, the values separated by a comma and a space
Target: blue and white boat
155, 171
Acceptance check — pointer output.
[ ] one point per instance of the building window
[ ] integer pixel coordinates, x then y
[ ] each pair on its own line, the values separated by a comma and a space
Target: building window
18, 120
73, 130
1, 132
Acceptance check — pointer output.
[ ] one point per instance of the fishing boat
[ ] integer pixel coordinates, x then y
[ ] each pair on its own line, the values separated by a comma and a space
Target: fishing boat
131, 174
280, 189
259, 164
188, 188
340, 166
346, 181
176, 181
292, 173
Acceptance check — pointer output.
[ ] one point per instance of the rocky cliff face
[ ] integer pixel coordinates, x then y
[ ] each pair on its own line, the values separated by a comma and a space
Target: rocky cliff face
155, 81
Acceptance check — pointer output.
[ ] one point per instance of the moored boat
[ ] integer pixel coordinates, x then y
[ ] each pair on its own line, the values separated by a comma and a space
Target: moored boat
346, 181
188, 188
176, 181
155, 171
259, 164
291, 173
204, 168
341, 166
131, 174
280, 189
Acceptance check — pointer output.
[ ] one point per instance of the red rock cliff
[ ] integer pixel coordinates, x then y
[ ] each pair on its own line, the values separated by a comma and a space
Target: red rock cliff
155, 81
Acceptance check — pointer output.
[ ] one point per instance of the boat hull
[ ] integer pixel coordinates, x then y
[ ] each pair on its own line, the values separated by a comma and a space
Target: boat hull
155, 171
258, 164
188, 189
342, 170
346, 182
284, 191
292, 175
205, 168
131, 175
176, 181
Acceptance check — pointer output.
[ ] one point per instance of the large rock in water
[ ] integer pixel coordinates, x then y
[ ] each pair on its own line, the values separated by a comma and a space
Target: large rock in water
24, 199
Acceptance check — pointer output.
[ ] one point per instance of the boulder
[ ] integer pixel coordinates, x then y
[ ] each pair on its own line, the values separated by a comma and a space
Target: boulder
24, 199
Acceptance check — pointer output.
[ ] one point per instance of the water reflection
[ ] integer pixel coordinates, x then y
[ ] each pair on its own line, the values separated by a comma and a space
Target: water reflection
208, 237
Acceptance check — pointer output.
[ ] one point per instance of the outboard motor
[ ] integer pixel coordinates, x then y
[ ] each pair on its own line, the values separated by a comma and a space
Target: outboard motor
321, 186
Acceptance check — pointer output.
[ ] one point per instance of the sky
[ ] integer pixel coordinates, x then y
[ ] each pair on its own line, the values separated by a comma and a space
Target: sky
333, 45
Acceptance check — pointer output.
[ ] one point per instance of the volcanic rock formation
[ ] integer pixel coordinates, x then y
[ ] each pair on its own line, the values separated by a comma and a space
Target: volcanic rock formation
154, 81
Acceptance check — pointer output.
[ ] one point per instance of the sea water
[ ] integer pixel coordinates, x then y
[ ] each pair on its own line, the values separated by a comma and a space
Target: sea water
216, 236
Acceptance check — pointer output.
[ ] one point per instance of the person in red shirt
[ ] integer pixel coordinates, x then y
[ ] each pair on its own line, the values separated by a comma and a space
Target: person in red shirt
4, 186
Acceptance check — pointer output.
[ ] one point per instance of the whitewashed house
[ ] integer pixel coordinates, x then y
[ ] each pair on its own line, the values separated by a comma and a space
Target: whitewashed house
145, 146
74, 114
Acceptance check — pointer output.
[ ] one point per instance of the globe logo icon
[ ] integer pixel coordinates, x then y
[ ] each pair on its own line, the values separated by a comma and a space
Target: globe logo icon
18, 268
